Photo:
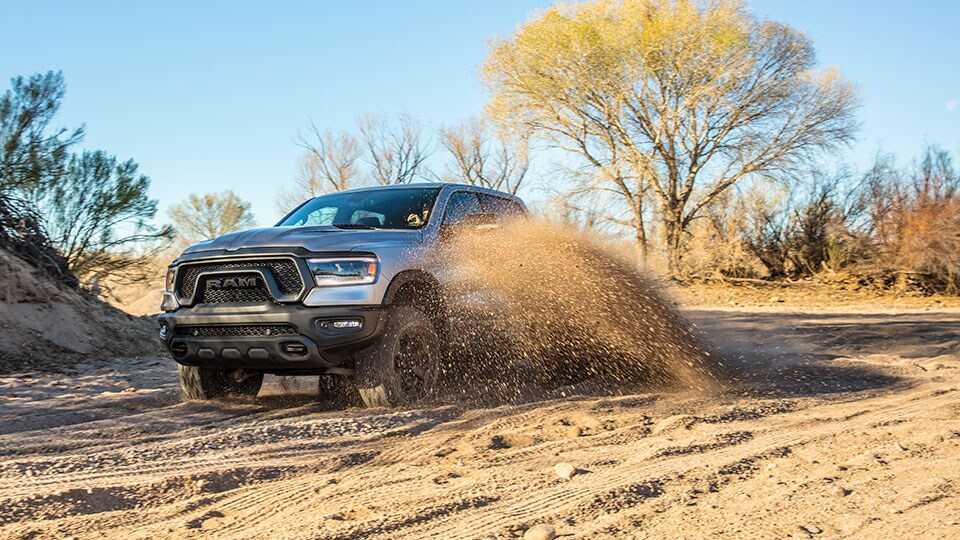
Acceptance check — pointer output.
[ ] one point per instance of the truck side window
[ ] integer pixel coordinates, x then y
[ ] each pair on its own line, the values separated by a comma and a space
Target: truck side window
504, 209
461, 205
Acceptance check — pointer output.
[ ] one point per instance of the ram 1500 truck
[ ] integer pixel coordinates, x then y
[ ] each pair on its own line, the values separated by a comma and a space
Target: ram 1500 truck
349, 285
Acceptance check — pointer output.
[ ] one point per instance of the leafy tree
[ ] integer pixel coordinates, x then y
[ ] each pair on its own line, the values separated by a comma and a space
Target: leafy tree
682, 97
98, 215
32, 155
206, 216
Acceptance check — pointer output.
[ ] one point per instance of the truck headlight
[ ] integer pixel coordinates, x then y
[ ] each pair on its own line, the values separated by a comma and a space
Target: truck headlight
344, 271
171, 274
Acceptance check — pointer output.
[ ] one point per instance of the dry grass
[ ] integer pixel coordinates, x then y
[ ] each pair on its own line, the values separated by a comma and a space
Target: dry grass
803, 294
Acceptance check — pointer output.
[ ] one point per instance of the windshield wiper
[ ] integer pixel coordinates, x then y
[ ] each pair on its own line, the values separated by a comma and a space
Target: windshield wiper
353, 226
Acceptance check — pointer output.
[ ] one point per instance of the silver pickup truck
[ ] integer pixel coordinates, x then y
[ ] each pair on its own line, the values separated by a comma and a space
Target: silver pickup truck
350, 285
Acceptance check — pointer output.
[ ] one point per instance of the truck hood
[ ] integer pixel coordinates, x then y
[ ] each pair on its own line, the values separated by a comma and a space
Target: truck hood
312, 238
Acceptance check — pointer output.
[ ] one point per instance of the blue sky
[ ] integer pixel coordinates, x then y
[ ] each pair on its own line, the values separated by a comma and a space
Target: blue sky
211, 95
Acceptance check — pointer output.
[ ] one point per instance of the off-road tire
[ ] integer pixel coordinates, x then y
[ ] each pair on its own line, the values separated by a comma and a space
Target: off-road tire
210, 383
403, 367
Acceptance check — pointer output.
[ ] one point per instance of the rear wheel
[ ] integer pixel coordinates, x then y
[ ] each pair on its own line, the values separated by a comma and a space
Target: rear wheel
209, 383
403, 367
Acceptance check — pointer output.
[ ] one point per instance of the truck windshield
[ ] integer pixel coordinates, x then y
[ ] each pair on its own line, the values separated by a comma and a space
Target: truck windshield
389, 208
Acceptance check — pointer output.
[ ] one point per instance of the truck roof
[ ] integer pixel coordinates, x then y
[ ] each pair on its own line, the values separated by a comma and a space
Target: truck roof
466, 187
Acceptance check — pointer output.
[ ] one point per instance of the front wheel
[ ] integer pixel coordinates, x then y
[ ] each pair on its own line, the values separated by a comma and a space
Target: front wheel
209, 383
403, 367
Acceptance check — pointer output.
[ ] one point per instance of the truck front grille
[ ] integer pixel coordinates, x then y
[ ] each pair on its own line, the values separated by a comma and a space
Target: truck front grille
257, 294
283, 271
237, 330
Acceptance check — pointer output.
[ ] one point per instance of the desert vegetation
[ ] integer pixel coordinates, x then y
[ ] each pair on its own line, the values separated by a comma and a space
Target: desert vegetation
81, 217
707, 137
892, 227
704, 135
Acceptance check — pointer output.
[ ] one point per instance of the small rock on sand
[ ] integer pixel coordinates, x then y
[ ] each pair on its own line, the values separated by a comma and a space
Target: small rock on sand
565, 470
572, 432
840, 491
812, 529
540, 532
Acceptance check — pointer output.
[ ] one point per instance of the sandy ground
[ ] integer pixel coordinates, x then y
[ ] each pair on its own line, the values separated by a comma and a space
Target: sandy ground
837, 425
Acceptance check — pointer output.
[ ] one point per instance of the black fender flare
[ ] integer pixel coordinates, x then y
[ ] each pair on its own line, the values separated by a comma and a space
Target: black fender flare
408, 277
434, 305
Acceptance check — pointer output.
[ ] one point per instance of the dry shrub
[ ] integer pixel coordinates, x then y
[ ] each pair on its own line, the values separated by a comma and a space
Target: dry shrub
915, 216
716, 247
931, 243
22, 234
897, 228
741, 236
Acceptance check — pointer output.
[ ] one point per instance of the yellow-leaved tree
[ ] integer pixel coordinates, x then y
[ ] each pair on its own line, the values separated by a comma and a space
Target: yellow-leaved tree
668, 101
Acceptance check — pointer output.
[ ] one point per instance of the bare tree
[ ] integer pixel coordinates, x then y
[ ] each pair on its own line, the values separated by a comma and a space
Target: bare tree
482, 159
609, 192
201, 217
560, 209
689, 97
329, 164
396, 151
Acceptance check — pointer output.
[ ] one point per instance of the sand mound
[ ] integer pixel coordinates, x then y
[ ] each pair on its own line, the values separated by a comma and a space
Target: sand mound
592, 311
141, 298
45, 326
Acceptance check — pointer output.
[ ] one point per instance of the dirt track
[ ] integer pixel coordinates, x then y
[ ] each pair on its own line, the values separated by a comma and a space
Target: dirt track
847, 423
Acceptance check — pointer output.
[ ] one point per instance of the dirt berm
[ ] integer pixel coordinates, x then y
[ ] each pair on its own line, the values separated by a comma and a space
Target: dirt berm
44, 326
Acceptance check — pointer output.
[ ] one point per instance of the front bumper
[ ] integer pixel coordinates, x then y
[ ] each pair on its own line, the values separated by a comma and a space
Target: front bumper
220, 336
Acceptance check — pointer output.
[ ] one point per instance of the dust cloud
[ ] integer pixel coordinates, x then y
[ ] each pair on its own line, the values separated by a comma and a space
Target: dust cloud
586, 309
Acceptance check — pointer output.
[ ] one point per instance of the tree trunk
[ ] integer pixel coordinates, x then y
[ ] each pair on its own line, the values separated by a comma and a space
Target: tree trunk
640, 230
641, 237
673, 229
